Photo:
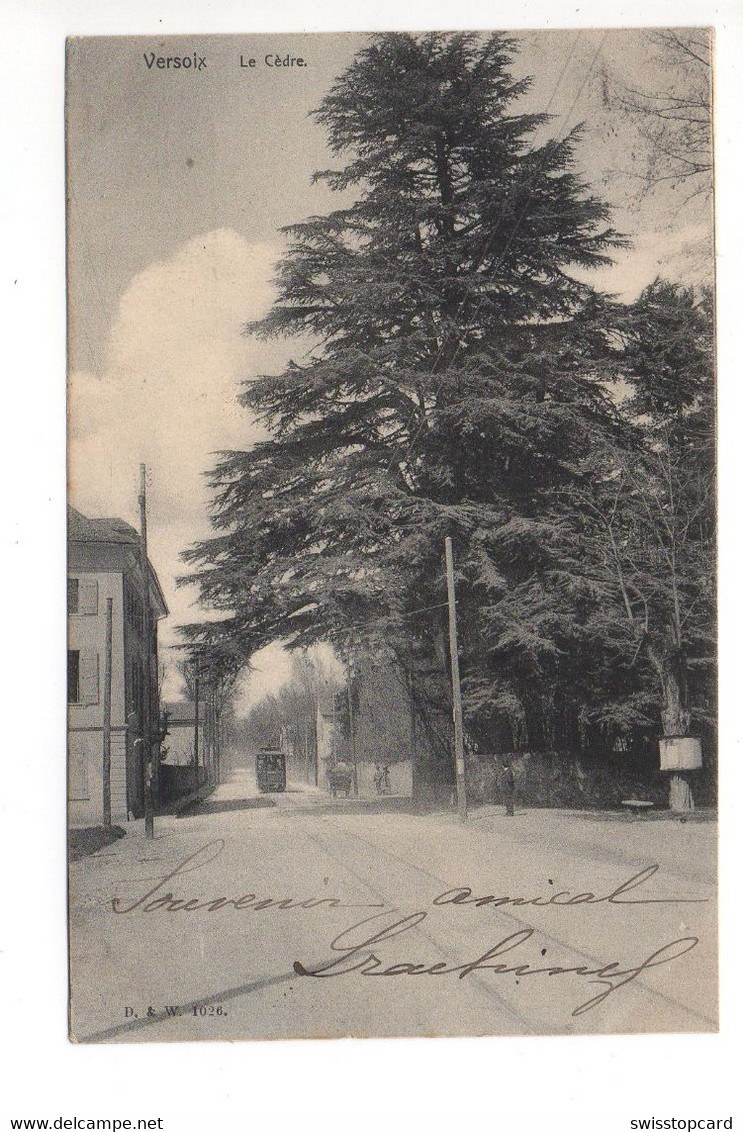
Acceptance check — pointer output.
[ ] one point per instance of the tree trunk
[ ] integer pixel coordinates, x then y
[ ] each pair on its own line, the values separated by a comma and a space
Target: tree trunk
676, 719
681, 799
675, 713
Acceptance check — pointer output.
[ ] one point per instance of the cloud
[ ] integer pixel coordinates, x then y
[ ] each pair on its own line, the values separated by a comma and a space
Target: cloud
271, 668
682, 255
168, 396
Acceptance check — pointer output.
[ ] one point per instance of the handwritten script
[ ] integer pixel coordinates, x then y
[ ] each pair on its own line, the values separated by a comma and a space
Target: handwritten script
167, 902
359, 958
355, 949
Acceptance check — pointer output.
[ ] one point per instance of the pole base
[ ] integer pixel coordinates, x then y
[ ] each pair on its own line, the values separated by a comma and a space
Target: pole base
680, 799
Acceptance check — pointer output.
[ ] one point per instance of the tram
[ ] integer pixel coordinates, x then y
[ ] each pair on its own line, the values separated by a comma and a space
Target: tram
270, 770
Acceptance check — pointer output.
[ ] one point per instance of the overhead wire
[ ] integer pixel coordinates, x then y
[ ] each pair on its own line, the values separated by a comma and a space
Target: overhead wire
347, 630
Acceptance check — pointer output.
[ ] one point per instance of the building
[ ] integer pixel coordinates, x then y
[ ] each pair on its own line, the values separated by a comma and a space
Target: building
382, 731
185, 749
104, 562
184, 745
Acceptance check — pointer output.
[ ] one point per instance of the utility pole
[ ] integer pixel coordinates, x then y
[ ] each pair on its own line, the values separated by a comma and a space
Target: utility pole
196, 725
216, 725
209, 721
414, 770
455, 686
207, 749
150, 781
317, 728
332, 732
351, 727
212, 733
107, 713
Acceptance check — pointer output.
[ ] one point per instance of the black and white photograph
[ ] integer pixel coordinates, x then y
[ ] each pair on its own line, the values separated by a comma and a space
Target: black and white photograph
392, 538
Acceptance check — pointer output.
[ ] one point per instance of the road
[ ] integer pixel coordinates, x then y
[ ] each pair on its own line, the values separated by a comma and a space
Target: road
213, 914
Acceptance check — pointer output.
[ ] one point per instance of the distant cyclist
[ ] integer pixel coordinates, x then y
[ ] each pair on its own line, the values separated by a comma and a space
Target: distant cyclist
382, 779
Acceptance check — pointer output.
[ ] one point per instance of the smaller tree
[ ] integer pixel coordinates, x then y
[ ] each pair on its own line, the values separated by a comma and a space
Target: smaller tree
262, 725
676, 122
187, 671
651, 513
210, 675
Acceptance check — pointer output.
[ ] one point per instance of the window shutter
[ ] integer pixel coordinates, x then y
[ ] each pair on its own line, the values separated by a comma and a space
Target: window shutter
88, 596
73, 676
88, 677
73, 592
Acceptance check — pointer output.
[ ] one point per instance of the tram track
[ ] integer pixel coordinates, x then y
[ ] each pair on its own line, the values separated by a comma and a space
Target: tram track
440, 884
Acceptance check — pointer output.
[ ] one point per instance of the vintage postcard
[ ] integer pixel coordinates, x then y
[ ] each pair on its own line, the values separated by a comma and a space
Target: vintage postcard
391, 538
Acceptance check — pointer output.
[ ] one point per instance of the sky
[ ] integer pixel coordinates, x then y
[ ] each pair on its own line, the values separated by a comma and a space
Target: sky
178, 184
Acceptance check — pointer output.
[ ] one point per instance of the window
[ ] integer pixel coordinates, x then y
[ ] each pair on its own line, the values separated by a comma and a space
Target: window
82, 677
82, 596
136, 686
133, 608
73, 676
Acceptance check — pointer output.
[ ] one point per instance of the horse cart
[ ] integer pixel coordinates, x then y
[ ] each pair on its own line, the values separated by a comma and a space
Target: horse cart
340, 778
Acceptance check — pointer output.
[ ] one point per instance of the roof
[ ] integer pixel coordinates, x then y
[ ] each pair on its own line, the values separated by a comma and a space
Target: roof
179, 711
83, 532
82, 529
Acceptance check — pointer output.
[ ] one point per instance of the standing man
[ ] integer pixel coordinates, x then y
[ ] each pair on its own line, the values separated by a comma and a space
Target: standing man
508, 786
